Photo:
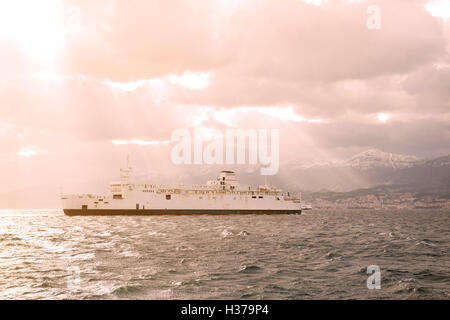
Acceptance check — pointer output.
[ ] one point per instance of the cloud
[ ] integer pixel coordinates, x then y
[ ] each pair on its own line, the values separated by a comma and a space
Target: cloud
430, 86
125, 41
134, 40
27, 152
289, 41
85, 109
133, 72
140, 142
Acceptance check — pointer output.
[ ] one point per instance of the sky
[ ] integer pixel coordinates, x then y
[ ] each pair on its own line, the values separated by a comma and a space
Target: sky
83, 84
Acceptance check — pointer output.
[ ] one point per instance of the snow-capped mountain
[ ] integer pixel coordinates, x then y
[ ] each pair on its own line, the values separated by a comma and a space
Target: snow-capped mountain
375, 158
438, 162
370, 159
367, 169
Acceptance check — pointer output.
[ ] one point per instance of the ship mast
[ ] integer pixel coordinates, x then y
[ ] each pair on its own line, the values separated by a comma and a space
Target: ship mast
125, 174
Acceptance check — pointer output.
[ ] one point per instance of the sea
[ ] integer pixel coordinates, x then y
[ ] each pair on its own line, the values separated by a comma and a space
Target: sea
332, 254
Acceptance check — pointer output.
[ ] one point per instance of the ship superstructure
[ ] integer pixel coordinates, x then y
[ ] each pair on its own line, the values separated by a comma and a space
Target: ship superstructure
224, 195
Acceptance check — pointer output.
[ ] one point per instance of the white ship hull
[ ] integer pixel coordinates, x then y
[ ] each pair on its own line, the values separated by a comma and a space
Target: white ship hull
138, 204
224, 196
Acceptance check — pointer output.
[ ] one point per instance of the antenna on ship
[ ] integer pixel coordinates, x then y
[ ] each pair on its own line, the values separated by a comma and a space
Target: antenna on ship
125, 173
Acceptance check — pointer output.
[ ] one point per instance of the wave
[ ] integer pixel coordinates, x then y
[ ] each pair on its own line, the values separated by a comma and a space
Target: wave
128, 289
249, 269
280, 257
226, 233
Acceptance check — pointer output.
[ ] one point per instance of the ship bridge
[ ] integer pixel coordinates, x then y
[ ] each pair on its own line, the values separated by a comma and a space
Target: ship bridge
226, 181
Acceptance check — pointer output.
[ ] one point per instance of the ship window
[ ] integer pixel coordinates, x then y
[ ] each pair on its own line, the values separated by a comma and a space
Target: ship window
167, 196
117, 196
100, 199
260, 197
253, 197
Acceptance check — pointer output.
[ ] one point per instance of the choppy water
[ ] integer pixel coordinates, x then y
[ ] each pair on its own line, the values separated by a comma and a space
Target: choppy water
316, 255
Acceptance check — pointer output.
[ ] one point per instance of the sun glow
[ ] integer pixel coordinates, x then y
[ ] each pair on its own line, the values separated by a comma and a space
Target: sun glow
139, 142
191, 80
282, 113
439, 8
315, 2
383, 117
26, 152
36, 26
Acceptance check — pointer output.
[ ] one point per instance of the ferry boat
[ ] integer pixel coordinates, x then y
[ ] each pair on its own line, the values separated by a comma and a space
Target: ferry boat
220, 196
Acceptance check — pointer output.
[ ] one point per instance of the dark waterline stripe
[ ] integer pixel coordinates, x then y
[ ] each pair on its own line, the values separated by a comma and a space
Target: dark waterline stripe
150, 212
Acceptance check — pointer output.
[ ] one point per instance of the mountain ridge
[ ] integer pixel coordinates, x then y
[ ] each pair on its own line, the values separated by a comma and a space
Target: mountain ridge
369, 159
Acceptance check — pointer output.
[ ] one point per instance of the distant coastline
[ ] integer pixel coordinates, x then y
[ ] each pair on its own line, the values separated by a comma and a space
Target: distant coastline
379, 198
